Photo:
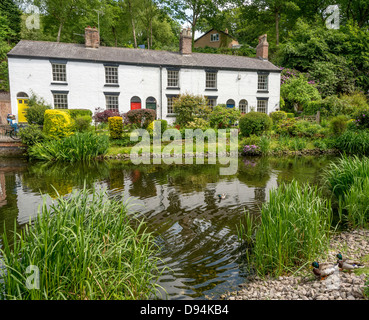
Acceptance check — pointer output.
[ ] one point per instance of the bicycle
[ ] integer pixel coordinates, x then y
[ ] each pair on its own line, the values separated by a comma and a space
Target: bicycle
14, 133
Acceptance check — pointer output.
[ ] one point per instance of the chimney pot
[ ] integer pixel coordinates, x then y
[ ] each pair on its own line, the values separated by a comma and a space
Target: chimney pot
92, 38
185, 42
262, 49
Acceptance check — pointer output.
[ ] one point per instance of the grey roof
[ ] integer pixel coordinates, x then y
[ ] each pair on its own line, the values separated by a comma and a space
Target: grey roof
72, 51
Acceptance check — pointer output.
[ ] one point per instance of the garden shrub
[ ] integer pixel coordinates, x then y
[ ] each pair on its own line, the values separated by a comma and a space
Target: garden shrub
188, 106
141, 117
198, 123
75, 113
362, 119
338, 125
163, 124
290, 115
82, 123
320, 144
297, 92
31, 134
115, 127
255, 123
36, 110
102, 116
297, 144
222, 117
308, 129
58, 123
287, 127
278, 116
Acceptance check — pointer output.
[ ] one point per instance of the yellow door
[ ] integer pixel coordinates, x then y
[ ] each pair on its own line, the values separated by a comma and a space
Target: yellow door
22, 106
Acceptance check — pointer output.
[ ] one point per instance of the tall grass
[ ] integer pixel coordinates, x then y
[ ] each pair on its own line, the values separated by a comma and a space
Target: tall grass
348, 179
264, 145
341, 176
78, 147
354, 142
85, 248
294, 228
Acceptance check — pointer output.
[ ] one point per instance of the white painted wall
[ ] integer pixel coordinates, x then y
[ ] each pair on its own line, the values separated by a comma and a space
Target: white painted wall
86, 80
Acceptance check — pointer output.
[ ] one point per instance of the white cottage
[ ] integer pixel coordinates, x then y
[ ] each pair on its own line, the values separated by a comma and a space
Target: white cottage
69, 75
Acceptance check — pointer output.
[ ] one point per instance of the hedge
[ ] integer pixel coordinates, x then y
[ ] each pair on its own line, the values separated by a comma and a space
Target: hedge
58, 123
115, 127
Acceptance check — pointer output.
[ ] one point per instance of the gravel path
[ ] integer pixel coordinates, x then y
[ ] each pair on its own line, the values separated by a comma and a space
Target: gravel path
339, 286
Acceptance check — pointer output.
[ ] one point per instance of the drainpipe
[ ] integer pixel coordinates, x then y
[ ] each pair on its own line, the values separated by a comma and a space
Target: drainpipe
161, 92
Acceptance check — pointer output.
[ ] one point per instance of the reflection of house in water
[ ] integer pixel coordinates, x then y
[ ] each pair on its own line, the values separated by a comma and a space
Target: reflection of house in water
3, 201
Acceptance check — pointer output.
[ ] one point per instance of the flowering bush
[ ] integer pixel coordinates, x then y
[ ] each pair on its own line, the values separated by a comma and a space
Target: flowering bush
362, 119
251, 150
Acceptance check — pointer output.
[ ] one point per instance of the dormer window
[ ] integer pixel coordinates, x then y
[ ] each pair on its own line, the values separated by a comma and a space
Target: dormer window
214, 37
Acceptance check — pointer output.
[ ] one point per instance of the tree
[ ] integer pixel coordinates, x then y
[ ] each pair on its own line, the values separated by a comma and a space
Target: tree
63, 12
193, 11
11, 12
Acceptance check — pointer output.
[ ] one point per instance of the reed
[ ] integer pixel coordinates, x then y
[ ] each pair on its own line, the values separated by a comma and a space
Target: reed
78, 147
357, 203
341, 175
294, 228
354, 142
87, 247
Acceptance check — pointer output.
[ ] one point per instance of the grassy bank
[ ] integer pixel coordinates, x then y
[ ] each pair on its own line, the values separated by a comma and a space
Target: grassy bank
86, 247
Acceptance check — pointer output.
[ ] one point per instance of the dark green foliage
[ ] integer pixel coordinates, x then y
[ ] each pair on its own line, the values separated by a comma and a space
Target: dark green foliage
287, 127
354, 142
278, 116
362, 119
82, 123
255, 123
338, 125
222, 117
188, 106
32, 134
36, 111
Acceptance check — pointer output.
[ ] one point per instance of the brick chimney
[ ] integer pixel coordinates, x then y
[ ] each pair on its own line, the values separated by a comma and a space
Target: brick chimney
92, 37
263, 48
185, 41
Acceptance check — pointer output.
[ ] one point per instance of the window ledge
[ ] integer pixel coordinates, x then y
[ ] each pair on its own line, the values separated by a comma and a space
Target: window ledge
211, 89
59, 83
171, 115
112, 85
262, 91
173, 88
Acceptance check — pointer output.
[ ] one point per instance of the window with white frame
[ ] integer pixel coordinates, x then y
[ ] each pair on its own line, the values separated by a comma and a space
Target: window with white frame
59, 72
243, 106
214, 37
263, 82
173, 78
112, 102
262, 106
60, 100
212, 102
211, 80
170, 100
111, 75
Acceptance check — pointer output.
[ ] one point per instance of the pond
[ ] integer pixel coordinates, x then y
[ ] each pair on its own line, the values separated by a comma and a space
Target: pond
196, 230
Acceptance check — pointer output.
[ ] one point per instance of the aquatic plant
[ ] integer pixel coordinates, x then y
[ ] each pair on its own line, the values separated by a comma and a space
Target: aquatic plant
78, 147
294, 228
85, 247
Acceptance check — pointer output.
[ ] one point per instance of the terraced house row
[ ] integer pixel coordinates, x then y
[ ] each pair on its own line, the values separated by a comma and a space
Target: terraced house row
90, 76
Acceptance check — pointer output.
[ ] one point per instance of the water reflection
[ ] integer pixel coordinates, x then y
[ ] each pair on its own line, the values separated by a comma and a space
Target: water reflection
195, 229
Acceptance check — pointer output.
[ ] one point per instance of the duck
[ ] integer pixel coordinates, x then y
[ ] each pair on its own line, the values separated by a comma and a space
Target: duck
222, 196
323, 270
347, 264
